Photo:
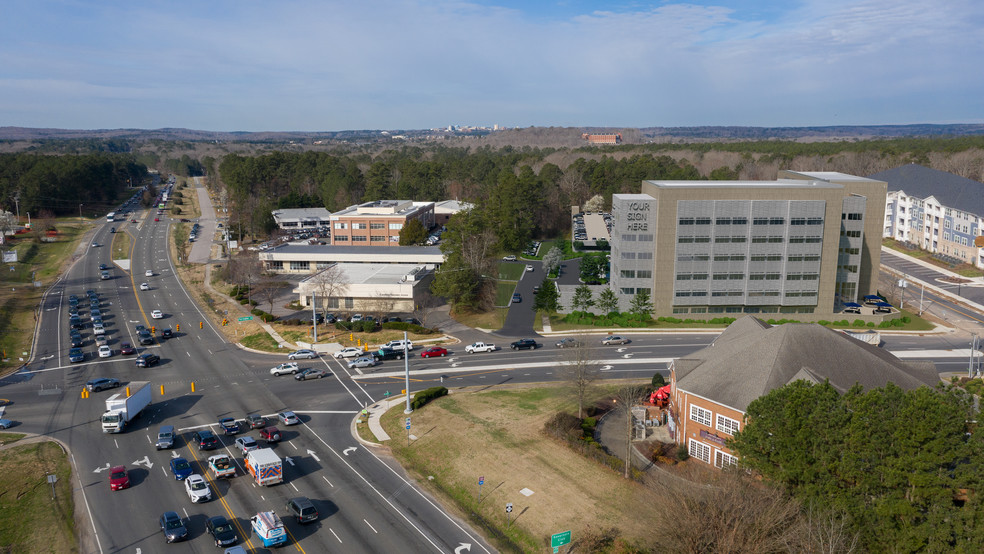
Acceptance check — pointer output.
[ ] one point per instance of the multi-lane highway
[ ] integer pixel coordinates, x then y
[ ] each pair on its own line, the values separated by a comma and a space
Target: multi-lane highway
365, 503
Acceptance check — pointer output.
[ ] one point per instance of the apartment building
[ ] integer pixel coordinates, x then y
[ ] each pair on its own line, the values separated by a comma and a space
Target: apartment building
803, 244
934, 210
378, 223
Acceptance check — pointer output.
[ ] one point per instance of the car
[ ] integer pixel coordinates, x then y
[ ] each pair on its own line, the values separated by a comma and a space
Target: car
270, 434
246, 444
90, 293
614, 339
95, 313
302, 509
167, 333
105, 351
288, 418
536, 289
144, 286
229, 425
139, 328
147, 360
205, 439
389, 354
101, 383
76, 355
509, 258
568, 342
197, 489
302, 354
149, 273
76, 323
98, 320
102, 340
173, 528
255, 421
76, 340
5, 423
144, 337
284, 368
118, 478
98, 330
349, 352
127, 349
105, 275
522, 344
434, 352
364, 361
180, 468
112, 229
96, 245
133, 221
517, 298
221, 531
156, 219
310, 373
399, 344
355, 318
529, 267
157, 314
103, 267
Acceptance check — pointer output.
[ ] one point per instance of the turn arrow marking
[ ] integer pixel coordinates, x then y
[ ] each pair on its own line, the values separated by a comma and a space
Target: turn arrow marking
349, 449
289, 461
145, 461
313, 455
101, 469
464, 546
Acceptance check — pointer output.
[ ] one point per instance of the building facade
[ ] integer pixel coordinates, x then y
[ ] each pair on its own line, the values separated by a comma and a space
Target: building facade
935, 211
378, 223
373, 289
805, 243
299, 259
293, 219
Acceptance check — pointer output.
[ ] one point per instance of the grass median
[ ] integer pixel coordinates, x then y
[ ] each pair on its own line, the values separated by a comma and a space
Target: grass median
30, 519
499, 435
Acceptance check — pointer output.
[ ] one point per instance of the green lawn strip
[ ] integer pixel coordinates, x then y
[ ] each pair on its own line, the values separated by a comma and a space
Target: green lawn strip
121, 246
30, 520
493, 319
7, 438
511, 271
261, 341
503, 292
916, 323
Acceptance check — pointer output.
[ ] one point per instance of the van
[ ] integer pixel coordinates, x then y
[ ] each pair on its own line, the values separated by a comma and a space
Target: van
269, 528
165, 437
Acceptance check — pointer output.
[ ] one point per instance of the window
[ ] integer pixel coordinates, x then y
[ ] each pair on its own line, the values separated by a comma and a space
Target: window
723, 459
700, 451
377, 226
726, 425
644, 274
631, 238
395, 226
702, 221
700, 239
341, 238
760, 221
739, 221
645, 255
628, 255
359, 238
275, 265
855, 234
700, 415
814, 221
358, 225
686, 221
738, 239
700, 276
626, 290
723, 221
300, 266
377, 238
649, 238
683, 276
777, 220
720, 276
341, 225
628, 273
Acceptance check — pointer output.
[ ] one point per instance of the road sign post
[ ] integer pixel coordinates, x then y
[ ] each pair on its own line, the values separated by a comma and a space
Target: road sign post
246, 318
481, 481
560, 539
408, 431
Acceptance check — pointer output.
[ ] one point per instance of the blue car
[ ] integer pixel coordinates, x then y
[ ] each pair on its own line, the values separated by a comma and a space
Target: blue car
181, 468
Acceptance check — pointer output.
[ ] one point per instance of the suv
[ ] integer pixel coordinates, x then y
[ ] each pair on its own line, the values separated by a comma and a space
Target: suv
399, 344
255, 421
524, 344
144, 337
76, 355
205, 439
270, 434
245, 444
303, 509
147, 360
389, 354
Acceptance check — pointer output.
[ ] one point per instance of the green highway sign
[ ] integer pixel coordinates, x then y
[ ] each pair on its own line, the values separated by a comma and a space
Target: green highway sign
247, 318
560, 539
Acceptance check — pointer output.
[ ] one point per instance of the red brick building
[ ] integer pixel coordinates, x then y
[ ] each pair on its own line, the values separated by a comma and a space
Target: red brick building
613, 138
378, 223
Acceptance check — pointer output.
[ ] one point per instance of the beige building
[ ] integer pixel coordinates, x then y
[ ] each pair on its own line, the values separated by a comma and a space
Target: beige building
378, 223
369, 288
303, 258
805, 243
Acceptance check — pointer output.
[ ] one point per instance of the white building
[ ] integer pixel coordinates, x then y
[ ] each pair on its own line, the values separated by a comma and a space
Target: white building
936, 211
302, 218
291, 258
370, 288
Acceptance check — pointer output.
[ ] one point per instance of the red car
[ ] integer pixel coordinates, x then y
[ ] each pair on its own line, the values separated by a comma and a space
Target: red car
434, 351
157, 219
270, 434
118, 478
127, 349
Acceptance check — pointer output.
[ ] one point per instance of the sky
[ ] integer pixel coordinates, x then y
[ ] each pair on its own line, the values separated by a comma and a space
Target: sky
294, 65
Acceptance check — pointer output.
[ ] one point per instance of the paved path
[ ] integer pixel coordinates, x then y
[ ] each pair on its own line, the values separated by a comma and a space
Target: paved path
201, 250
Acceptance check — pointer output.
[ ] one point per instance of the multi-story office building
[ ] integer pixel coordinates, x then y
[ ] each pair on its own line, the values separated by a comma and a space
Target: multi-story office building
378, 223
935, 210
804, 243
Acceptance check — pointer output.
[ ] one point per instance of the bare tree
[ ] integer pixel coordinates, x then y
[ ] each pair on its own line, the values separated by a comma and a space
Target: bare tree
270, 287
329, 283
245, 269
580, 370
627, 396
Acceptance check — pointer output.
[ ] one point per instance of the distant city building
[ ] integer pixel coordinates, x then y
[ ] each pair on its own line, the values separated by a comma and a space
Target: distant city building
291, 219
378, 223
614, 138
936, 211
803, 244
712, 388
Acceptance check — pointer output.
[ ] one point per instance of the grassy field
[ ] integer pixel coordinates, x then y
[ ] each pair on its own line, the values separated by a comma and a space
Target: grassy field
493, 319
25, 497
503, 292
498, 435
511, 271
121, 246
18, 298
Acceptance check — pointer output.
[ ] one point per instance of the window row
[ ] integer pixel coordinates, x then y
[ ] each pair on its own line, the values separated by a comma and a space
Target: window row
636, 255
636, 273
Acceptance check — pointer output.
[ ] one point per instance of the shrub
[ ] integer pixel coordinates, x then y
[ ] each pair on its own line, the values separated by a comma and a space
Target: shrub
658, 381
906, 319
871, 324
682, 453
859, 323
423, 397
824, 322
267, 318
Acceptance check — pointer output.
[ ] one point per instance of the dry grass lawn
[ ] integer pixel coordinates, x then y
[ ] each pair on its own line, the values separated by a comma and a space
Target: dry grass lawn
25, 496
498, 435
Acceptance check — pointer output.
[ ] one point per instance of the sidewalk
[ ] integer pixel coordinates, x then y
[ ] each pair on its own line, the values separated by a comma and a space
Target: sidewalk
376, 411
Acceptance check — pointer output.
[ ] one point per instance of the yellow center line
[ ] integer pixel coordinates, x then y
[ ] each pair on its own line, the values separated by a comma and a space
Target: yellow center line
133, 246
215, 491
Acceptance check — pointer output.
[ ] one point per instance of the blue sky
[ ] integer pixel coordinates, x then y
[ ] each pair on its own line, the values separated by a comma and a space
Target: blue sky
251, 65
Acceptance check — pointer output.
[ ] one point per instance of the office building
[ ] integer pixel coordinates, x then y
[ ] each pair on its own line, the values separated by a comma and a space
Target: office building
293, 219
378, 223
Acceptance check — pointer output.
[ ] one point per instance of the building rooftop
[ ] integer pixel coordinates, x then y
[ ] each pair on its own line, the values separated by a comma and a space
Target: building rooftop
382, 208
779, 184
452, 206
751, 358
833, 176
375, 251
376, 274
953, 191
301, 213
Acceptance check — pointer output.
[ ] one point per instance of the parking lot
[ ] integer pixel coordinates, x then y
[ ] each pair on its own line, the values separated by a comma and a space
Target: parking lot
590, 227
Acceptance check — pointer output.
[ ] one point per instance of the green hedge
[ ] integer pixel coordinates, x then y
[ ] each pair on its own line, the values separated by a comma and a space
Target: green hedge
423, 397
267, 318
409, 327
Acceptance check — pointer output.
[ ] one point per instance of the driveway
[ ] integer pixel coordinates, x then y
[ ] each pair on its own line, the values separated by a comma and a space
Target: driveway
519, 318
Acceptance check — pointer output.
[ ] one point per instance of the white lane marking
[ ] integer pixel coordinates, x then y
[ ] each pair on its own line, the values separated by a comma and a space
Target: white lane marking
313, 455
148, 440
85, 498
327, 481
185, 510
295, 488
349, 449
370, 526
164, 471
116, 442
332, 532
292, 444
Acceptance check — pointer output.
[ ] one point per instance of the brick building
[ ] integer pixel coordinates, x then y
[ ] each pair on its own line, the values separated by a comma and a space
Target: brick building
378, 223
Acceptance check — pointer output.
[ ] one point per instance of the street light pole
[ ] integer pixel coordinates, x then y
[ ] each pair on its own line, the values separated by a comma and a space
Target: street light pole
406, 365
80, 213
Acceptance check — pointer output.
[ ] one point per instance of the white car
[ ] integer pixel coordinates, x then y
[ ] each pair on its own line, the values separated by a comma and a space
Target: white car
509, 258
157, 314
284, 368
105, 351
349, 352
96, 245
398, 344
144, 286
529, 267
197, 488
288, 418
98, 329
149, 273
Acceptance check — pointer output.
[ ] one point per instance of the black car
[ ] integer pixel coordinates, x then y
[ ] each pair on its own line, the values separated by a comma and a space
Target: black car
76, 322
221, 530
77, 340
388, 354
302, 509
172, 526
147, 360
205, 439
167, 333
144, 337
524, 344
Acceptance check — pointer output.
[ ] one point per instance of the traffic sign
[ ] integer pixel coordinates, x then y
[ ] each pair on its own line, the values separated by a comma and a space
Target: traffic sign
246, 318
560, 539
481, 480
408, 423
508, 507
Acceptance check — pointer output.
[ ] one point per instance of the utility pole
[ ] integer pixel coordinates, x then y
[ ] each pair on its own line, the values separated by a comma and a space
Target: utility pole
406, 365
17, 204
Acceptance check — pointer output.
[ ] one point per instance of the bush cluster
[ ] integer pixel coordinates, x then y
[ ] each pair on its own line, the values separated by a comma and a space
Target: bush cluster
267, 318
364, 326
409, 327
579, 436
608, 320
423, 397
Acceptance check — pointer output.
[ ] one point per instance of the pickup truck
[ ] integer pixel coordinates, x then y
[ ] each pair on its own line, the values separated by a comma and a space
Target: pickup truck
221, 466
480, 347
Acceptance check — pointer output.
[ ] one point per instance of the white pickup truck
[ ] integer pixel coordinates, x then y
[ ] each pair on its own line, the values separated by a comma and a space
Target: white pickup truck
221, 466
480, 347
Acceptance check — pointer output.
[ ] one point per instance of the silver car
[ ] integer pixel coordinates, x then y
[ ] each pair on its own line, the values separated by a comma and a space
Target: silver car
614, 339
364, 361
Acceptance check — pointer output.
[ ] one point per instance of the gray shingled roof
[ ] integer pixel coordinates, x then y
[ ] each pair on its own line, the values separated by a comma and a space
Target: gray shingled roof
953, 191
751, 357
